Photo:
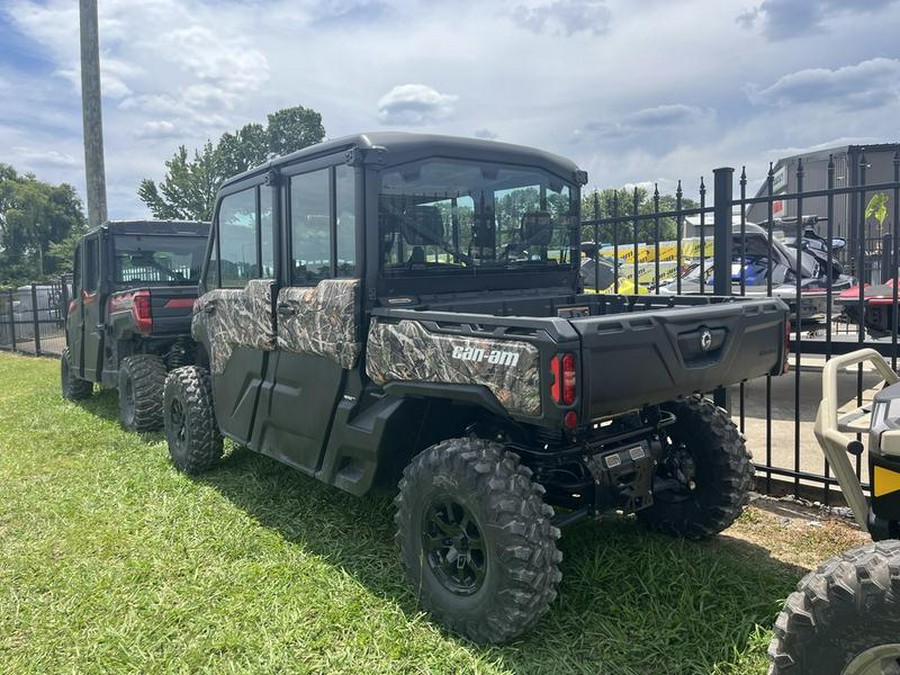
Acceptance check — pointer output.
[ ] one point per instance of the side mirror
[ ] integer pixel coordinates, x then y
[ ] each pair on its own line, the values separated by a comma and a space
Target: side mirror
838, 243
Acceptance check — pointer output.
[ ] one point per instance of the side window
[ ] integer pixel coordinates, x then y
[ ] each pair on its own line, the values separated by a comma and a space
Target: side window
76, 272
211, 280
310, 228
92, 265
345, 202
265, 233
238, 254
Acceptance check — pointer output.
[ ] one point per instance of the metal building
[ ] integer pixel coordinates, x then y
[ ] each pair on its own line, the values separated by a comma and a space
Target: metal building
848, 172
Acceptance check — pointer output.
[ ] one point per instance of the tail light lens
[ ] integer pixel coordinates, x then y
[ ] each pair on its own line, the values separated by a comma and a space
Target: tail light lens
140, 308
563, 383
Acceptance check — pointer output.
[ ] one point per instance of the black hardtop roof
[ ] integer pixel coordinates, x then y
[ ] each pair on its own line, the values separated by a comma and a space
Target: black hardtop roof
183, 227
399, 147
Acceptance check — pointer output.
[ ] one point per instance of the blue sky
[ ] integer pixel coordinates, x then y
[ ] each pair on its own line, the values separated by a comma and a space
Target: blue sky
635, 92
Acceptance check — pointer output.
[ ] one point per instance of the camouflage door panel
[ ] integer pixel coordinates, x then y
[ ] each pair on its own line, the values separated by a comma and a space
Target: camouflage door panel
235, 317
321, 320
407, 351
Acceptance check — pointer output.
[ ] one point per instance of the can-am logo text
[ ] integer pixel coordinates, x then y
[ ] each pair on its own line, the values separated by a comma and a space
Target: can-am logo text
478, 355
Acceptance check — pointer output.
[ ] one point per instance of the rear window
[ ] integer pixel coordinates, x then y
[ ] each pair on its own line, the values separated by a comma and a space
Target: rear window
170, 260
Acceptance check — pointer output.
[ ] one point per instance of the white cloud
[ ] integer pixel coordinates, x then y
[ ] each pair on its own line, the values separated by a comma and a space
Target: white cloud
43, 158
786, 19
158, 129
415, 104
564, 17
869, 84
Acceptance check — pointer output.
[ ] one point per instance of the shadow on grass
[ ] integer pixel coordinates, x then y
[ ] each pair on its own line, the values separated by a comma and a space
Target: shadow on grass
630, 601
105, 404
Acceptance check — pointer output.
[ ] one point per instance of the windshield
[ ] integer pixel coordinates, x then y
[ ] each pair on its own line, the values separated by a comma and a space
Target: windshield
158, 259
442, 215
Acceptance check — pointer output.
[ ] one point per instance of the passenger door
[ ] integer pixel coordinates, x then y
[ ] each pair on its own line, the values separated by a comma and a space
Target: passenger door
75, 315
234, 319
318, 312
92, 310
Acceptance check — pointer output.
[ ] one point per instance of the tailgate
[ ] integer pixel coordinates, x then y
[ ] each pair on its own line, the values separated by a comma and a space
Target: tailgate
633, 359
172, 308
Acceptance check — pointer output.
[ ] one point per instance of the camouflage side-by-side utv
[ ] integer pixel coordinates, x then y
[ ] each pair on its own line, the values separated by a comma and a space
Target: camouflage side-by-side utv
129, 318
404, 313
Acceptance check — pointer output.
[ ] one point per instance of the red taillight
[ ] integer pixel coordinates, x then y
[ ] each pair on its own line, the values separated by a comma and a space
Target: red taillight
562, 385
141, 311
555, 384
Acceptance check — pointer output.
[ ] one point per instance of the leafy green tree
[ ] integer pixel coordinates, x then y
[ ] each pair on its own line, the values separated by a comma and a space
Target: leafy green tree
610, 202
38, 222
188, 190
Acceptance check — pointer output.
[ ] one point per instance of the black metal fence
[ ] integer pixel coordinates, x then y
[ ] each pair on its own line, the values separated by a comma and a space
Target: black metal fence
776, 414
33, 318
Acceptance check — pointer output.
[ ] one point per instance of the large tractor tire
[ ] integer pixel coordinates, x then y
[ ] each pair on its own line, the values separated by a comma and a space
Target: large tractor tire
477, 539
189, 419
72, 387
141, 381
844, 618
703, 481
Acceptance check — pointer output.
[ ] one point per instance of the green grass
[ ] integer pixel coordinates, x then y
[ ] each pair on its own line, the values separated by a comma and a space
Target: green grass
112, 561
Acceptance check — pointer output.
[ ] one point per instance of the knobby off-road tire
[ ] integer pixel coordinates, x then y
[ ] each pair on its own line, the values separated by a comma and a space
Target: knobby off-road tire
476, 539
189, 418
844, 618
72, 387
141, 381
706, 473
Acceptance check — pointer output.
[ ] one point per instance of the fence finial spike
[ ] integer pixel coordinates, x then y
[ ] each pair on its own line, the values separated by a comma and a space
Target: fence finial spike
771, 174
830, 161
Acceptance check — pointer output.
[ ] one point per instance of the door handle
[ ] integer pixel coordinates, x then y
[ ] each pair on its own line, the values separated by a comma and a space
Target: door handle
286, 310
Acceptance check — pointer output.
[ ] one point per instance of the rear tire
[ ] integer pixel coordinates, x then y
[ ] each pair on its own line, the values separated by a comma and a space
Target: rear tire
844, 618
189, 418
73, 388
477, 539
703, 481
141, 381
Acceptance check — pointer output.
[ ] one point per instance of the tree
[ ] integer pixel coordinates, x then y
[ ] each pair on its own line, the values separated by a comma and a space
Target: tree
610, 203
188, 190
38, 223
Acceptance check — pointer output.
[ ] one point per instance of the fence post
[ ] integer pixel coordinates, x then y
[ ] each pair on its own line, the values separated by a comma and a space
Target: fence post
723, 195
12, 322
34, 320
723, 179
887, 267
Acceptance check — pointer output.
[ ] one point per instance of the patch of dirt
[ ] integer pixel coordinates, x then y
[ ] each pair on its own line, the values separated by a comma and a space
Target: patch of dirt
797, 533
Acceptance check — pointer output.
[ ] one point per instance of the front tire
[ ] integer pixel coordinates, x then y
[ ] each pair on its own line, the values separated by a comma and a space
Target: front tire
703, 481
844, 618
477, 539
141, 381
72, 387
189, 419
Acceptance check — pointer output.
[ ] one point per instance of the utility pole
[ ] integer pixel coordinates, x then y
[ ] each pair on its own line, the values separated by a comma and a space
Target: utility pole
95, 174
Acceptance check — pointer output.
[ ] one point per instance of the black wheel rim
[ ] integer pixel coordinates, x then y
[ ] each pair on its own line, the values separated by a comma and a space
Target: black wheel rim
454, 547
177, 425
